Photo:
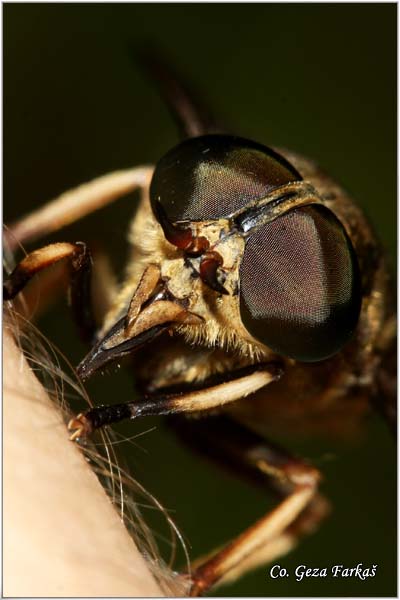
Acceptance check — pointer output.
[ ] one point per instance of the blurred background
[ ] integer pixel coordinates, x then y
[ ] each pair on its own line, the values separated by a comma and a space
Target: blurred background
318, 79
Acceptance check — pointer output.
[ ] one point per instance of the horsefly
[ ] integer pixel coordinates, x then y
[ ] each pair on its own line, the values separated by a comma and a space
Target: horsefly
256, 294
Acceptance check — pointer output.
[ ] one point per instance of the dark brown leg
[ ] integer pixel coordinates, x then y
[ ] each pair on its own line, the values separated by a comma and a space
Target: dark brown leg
299, 511
79, 259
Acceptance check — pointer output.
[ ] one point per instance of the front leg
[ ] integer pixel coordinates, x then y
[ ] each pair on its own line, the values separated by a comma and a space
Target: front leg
238, 384
79, 259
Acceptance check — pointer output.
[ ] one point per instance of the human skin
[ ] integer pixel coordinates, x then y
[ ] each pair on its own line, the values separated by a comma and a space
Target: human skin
61, 534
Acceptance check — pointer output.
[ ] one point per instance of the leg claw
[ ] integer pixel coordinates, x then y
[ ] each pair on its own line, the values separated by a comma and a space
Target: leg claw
80, 427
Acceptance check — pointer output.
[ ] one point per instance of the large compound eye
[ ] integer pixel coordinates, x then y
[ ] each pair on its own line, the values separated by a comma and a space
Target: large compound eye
300, 289
213, 176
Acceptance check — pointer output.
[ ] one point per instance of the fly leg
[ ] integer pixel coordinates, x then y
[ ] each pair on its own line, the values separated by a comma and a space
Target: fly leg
306, 523
80, 263
236, 385
54, 283
299, 511
76, 204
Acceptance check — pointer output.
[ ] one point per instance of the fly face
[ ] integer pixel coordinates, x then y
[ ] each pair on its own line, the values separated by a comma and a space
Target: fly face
246, 257
282, 266
258, 262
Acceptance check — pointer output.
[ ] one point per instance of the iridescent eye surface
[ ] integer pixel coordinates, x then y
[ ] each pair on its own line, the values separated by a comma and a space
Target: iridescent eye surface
213, 176
299, 284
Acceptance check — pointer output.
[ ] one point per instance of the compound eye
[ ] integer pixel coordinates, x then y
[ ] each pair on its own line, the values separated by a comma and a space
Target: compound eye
213, 176
300, 291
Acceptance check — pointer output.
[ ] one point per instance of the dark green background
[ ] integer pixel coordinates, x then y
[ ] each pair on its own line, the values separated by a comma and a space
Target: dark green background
319, 79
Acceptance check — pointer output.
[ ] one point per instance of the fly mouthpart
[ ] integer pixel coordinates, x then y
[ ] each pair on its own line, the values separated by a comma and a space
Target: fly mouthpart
118, 342
100, 355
